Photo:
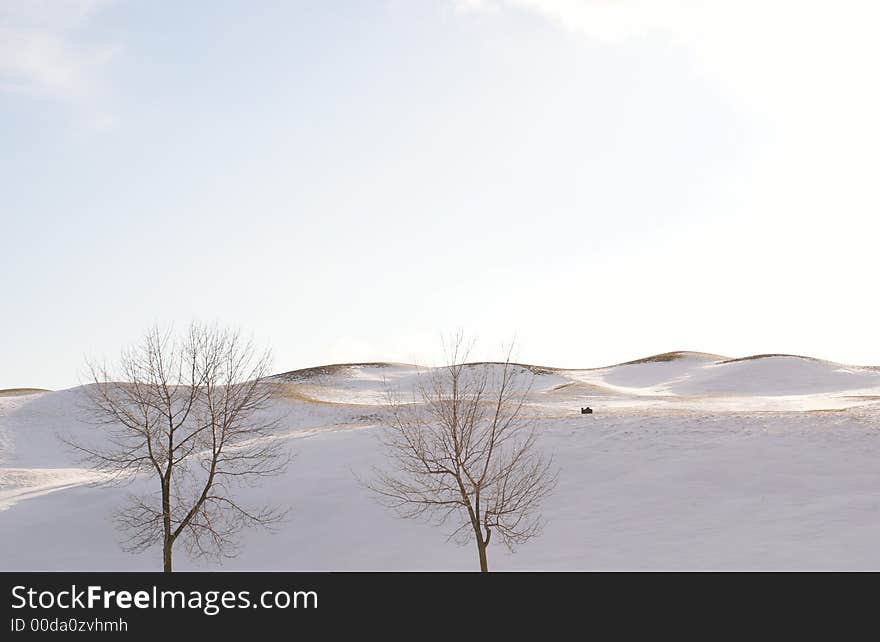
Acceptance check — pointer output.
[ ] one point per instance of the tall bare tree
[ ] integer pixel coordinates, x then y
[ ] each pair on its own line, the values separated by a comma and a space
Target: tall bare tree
192, 412
462, 451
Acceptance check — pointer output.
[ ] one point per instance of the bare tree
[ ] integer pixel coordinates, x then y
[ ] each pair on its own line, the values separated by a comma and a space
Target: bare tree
462, 451
193, 413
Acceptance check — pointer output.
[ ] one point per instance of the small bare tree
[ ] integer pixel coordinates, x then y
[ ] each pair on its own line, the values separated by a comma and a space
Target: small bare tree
463, 451
193, 413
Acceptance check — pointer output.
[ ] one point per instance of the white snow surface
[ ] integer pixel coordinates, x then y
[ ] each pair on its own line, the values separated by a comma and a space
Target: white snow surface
691, 461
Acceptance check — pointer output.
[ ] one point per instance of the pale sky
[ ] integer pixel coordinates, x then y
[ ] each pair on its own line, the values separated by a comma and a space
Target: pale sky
350, 180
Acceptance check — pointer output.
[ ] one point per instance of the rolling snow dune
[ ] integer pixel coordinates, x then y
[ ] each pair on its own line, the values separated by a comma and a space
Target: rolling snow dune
776, 375
655, 372
771, 382
692, 461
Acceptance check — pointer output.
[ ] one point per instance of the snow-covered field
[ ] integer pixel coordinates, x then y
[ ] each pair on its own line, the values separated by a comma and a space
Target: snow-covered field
691, 461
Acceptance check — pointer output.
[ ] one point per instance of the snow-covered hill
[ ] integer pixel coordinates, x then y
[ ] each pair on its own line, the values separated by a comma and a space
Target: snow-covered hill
691, 460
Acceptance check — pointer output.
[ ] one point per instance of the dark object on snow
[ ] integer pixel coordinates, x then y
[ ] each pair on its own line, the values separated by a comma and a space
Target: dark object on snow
587, 411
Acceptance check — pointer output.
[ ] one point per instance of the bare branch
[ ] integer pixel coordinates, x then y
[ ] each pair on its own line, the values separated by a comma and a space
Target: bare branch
462, 451
194, 413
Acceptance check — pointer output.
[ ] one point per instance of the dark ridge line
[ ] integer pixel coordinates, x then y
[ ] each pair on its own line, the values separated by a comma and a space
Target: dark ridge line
536, 369
777, 354
332, 368
667, 356
13, 392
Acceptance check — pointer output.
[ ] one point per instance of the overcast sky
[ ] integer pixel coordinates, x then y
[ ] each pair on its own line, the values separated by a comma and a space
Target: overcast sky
349, 180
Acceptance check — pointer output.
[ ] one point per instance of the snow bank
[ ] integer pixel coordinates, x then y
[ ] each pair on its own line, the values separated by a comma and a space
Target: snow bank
695, 462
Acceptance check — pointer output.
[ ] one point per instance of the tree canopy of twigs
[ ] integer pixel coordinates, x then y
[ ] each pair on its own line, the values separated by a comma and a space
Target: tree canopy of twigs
193, 414
463, 453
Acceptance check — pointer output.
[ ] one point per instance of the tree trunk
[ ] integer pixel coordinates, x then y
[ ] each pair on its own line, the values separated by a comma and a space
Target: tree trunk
484, 562
481, 549
167, 540
166, 556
